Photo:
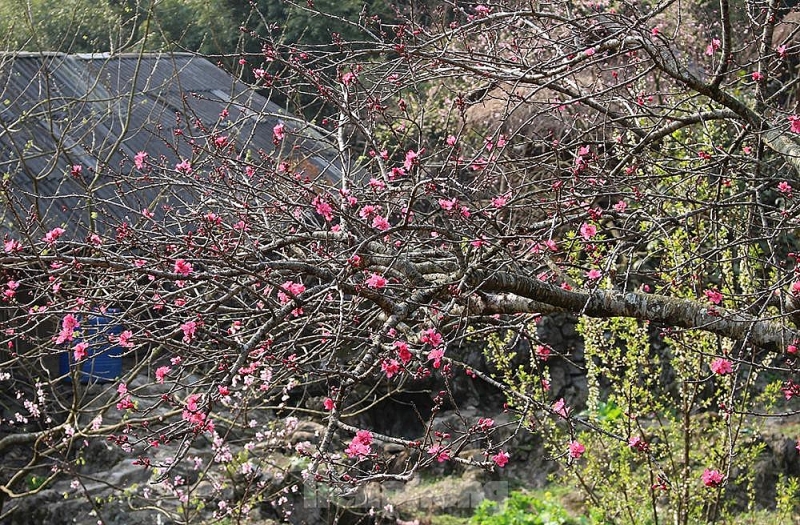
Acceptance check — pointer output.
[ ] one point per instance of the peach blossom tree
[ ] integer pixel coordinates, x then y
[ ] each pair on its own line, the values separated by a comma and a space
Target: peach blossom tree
632, 165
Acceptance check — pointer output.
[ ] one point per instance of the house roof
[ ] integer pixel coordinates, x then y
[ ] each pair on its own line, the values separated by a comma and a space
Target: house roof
98, 111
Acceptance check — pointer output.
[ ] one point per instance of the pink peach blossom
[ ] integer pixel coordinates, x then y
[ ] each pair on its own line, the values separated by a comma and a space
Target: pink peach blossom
576, 449
161, 373
376, 281
712, 478
52, 236
501, 458
721, 366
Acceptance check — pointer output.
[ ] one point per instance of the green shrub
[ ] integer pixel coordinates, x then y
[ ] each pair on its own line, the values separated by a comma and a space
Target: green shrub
524, 509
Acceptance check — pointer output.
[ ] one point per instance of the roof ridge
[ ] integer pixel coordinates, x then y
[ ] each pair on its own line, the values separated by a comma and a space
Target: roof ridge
94, 56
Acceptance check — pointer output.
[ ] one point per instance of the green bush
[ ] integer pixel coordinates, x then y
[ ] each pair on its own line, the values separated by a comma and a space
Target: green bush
522, 508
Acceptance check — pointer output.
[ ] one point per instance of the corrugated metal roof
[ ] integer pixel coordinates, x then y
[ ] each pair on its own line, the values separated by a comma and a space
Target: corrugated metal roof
98, 110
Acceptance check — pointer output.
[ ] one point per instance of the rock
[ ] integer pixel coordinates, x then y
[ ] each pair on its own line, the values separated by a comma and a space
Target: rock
100, 456
393, 448
306, 431
53, 508
451, 495
779, 457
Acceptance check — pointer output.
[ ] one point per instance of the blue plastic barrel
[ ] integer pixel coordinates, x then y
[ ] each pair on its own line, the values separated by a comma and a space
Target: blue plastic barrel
103, 362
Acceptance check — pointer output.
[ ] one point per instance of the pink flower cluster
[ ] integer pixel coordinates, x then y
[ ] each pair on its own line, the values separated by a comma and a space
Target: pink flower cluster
436, 356
442, 453
543, 352
790, 390
125, 402
184, 167
390, 367
278, 133
594, 274
183, 268
12, 246
69, 325
193, 414
402, 351
139, 159
588, 230
721, 366
794, 123
291, 287
412, 159
189, 328
501, 200
712, 478
124, 339
501, 458
323, 208
79, 351
11, 289
434, 339
713, 46
379, 222
360, 447
376, 281
52, 236
348, 78
576, 449
637, 443
713, 295
431, 337
161, 373
560, 407
582, 160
